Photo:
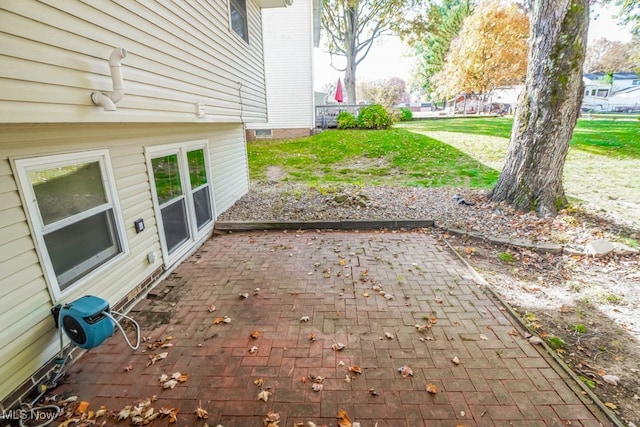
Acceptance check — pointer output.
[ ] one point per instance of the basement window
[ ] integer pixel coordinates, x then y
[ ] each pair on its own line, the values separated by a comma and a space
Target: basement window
263, 133
72, 206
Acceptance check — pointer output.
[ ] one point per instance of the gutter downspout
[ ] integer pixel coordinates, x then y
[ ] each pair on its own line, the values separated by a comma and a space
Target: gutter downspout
109, 100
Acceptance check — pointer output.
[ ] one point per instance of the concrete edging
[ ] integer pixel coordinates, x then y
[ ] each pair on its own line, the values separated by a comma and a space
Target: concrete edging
231, 226
578, 386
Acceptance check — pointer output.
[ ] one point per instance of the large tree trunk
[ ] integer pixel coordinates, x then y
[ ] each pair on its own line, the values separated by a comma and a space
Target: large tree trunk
548, 108
351, 17
350, 79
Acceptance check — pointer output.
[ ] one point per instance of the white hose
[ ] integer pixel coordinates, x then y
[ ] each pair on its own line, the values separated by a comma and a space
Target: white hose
109, 315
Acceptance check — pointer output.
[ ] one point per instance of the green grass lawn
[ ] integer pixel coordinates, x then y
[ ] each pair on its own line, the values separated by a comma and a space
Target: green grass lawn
380, 157
403, 158
606, 136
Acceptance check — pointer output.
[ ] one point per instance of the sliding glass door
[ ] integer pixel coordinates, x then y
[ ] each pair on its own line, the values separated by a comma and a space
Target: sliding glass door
182, 195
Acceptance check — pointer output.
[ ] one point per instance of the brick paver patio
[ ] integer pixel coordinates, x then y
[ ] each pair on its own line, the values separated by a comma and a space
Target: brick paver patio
337, 280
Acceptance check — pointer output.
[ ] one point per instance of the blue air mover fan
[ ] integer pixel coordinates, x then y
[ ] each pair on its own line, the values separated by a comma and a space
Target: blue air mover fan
87, 321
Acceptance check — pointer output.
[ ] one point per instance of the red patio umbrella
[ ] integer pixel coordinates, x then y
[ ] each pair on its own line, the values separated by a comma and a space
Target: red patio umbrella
339, 96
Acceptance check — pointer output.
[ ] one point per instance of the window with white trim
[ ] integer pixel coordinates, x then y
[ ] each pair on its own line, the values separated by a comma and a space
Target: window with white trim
182, 195
238, 17
72, 205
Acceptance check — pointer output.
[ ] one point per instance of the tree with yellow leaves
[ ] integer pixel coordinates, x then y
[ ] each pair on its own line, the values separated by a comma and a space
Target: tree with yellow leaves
490, 51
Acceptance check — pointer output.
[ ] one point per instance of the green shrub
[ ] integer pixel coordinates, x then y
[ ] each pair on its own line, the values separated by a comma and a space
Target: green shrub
405, 114
346, 120
374, 117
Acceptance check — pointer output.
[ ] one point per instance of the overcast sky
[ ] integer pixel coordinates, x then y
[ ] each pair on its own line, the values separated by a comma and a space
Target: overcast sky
390, 58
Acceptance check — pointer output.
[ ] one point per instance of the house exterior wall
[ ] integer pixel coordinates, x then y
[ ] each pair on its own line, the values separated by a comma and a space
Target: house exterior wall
26, 325
288, 41
54, 53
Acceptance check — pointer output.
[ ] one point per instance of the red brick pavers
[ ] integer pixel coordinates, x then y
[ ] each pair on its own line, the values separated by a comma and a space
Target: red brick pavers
333, 278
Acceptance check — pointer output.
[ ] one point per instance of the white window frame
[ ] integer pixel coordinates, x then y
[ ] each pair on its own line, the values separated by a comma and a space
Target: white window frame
23, 167
246, 19
196, 234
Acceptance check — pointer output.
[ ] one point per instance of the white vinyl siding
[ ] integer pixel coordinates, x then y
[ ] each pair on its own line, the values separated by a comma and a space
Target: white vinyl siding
54, 53
26, 325
288, 57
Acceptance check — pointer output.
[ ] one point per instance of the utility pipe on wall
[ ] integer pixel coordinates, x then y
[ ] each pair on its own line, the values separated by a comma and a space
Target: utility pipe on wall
109, 100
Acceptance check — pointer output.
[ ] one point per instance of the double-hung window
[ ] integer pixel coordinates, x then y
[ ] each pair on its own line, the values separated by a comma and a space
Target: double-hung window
238, 17
72, 204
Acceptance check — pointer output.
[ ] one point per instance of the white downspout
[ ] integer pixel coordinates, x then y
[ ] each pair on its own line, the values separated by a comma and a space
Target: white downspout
109, 101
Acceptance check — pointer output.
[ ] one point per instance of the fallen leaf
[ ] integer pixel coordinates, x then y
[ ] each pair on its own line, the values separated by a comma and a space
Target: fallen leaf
338, 346
201, 413
343, 419
173, 416
128, 367
347, 378
455, 360
388, 297
341, 363
259, 382
163, 378
244, 295
303, 380
373, 392
211, 308
272, 419
405, 371
432, 388
343, 262
165, 411
264, 395
170, 384
226, 319
514, 333
124, 413
422, 328
218, 320
439, 300
82, 407
483, 337
365, 294
305, 319
100, 412
312, 337
153, 358
253, 349
255, 334
610, 405
611, 379
388, 336
355, 369
317, 386
535, 340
